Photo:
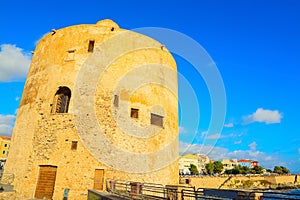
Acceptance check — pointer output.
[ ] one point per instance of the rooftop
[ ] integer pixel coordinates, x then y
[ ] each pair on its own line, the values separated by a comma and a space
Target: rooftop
5, 137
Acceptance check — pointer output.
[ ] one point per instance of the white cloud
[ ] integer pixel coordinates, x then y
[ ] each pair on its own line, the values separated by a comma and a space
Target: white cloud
262, 115
240, 134
204, 133
14, 63
217, 135
215, 153
7, 119
231, 135
6, 124
5, 129
229, 125
268, 158
17, 98
182, 129
253, 146
238, 142
214, 136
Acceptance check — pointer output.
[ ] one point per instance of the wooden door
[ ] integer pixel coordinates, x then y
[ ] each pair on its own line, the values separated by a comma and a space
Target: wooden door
46, 182
98, 179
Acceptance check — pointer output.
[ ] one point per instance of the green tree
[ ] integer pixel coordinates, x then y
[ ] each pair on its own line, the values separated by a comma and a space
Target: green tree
285, 170
218, 167
245, 170
281, 170
228, 171
257, 170
209, 168
277, 170
193, 169
269, 170
236, 169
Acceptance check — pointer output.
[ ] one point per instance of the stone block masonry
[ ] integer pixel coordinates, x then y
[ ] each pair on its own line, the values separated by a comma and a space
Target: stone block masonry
74, 124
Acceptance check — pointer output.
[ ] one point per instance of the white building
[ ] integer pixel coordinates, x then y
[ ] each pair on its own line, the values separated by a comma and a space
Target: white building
198, 160
229, 164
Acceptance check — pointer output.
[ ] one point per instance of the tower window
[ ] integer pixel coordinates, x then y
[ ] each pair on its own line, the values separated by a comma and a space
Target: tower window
157, 120
71, 55
116, 100
134, 113
74, 145
91, 45
62, 100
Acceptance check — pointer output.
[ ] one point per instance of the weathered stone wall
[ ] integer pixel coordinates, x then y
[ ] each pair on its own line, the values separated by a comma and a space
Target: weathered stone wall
8, 196
206, 181
287, 179
238, 181
44, 138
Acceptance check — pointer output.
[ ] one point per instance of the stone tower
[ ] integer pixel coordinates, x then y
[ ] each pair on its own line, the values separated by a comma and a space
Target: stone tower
99, 103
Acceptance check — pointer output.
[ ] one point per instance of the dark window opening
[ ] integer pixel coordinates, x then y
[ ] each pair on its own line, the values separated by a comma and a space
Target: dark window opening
74, 145
71, 55
116, 101
112, 29
134, 113
71, 51
62, 100
157, 120
91, 45
187, 181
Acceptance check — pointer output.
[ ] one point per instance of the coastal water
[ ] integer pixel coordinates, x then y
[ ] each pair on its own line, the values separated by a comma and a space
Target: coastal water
297, 191
288, 194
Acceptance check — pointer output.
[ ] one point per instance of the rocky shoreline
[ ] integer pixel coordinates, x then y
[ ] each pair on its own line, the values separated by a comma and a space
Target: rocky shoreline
283, 187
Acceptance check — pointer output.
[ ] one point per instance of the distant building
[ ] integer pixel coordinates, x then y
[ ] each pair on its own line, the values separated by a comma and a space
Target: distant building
4, 149
198, 160
229, 164
248, 163
203, 160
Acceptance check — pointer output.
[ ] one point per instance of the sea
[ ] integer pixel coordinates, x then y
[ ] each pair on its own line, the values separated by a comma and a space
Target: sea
297, 191
286, 194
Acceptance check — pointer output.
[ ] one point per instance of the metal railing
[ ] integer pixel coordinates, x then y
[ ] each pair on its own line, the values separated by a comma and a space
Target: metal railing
152, 191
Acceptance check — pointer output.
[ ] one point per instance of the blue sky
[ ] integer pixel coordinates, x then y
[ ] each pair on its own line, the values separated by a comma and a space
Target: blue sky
255, 45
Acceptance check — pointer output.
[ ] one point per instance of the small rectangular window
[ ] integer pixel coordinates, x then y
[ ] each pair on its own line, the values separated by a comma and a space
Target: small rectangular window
3, 152
116, 101
134, 113
74, 145
5, 145
91, 45
157, 120
71, 55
